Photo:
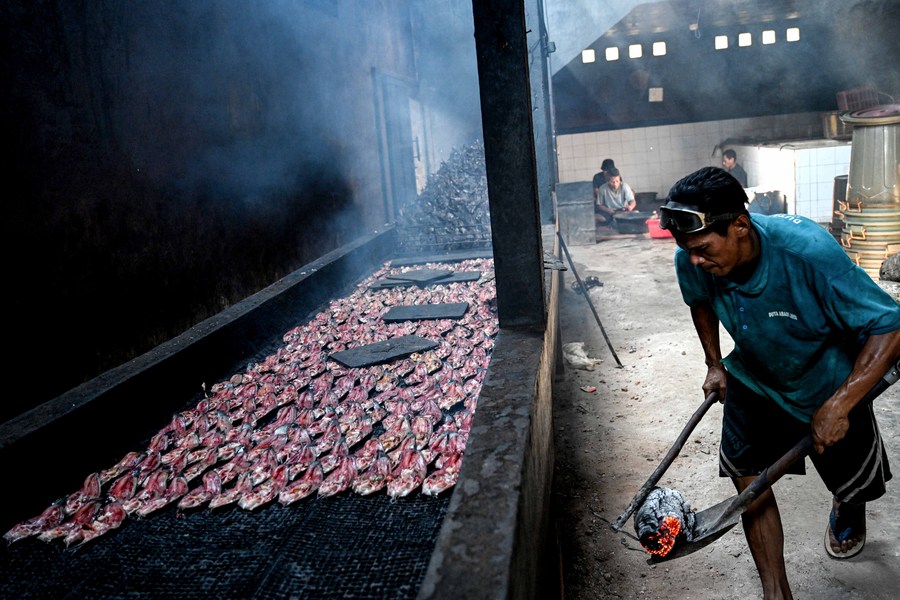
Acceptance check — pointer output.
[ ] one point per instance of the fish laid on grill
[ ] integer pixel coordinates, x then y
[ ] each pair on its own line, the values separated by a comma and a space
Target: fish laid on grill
154, 485
177, 488
265, 492
110, 516
340, 479
298, 424
408, 475
212, 486
375, 477
445, 477
308, 483
125, 487
52, 516
128, 462
89, 492
244, 483
367, 453
85, 515
331, 460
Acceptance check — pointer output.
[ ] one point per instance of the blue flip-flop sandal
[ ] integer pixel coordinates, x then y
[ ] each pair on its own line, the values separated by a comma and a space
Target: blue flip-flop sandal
844, 532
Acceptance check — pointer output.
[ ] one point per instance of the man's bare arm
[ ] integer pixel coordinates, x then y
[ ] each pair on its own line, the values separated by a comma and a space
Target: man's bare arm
830, 423
707, 325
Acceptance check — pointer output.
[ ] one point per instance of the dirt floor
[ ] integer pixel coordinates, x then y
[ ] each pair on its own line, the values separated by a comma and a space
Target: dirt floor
609, 442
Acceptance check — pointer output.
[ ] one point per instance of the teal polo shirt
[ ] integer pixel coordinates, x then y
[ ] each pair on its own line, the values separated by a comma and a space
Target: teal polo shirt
800, 321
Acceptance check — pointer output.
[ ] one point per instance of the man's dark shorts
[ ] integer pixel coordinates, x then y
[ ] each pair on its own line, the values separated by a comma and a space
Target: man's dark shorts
756, 432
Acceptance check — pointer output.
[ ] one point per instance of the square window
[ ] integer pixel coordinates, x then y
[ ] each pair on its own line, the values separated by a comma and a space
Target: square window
588, 56
792, 34
721, 42
744, 40
612, 53
768, 36
635, 51
659, 48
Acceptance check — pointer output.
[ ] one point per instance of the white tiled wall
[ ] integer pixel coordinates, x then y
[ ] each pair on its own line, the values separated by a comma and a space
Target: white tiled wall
803, 171
651, 159
816, 170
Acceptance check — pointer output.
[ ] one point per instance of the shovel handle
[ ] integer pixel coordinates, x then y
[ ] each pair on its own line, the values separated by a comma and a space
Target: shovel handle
639, 498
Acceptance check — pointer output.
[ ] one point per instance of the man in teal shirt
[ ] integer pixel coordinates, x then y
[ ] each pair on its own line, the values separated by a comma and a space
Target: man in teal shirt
812, 335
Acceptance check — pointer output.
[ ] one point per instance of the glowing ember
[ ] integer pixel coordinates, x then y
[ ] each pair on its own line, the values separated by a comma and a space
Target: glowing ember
662, 542
664, 519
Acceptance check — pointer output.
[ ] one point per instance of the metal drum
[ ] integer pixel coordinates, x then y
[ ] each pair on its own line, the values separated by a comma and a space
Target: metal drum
870, 213
873, 178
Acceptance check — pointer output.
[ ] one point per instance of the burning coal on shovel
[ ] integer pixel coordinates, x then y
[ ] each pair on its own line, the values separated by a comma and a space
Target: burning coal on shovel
664, 520
665, 524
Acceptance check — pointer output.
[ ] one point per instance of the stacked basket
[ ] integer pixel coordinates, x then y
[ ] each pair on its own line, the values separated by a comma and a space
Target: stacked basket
870, 234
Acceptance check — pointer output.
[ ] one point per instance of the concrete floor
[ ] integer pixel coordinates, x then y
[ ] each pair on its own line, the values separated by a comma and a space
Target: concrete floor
609, 441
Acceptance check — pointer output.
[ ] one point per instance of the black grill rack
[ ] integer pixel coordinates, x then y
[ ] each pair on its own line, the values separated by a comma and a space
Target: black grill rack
346, 546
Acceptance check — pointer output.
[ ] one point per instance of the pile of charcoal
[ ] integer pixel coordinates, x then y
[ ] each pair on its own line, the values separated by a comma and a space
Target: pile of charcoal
452, 212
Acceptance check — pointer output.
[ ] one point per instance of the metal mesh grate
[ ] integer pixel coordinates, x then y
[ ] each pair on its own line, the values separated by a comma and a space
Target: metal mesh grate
418, 240
344, 547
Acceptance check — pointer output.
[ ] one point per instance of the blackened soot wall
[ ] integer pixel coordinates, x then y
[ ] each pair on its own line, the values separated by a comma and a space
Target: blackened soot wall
167, 159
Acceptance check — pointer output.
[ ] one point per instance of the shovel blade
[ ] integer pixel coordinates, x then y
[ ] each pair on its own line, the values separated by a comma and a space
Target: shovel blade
710, 524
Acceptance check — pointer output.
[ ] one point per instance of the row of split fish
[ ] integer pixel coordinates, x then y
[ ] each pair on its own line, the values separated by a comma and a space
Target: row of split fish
298, 424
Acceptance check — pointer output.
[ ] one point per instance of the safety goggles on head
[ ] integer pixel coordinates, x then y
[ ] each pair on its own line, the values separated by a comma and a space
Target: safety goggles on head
685, 220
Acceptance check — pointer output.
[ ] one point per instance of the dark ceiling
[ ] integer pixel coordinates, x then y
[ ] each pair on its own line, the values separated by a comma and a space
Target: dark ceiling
842, 45
658, 17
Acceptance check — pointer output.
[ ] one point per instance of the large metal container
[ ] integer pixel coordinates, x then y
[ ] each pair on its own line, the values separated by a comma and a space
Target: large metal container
647, 201
575, 210
873, 178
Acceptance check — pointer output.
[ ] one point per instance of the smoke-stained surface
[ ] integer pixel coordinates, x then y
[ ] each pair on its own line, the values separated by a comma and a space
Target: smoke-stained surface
575, 24
169, 158
445, 44
841, 46
247, 93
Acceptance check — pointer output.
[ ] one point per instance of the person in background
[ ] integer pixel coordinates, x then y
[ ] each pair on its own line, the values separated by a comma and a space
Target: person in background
601, 177
613, 197
813, 334
729, 162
